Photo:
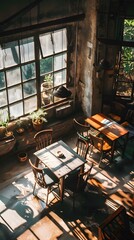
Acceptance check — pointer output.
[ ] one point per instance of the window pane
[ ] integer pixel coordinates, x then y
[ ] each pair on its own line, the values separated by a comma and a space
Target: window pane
16, 110
27, 49
1, 58
60, 61
2, 80
46, 65
4, 114
29, 88
13, 76
59, 78
127, 53
128, 34
30, 104
59, 38
28, 71
15, 93
3, 98
46, 44
11, 54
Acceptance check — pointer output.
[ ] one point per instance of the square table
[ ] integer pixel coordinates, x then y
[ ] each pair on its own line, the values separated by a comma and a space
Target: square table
60, 166
111, 129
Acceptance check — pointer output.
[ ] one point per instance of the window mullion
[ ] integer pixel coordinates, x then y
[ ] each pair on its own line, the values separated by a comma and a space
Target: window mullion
37, 65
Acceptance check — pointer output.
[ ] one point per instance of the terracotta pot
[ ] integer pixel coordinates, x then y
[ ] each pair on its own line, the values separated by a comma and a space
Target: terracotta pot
22, 156
37, 126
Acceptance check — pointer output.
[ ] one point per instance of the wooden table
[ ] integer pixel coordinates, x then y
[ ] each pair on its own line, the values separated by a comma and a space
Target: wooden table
60, 166
109, 128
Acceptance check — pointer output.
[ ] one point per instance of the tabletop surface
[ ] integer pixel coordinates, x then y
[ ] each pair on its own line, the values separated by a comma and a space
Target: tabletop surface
107, 126
60, 166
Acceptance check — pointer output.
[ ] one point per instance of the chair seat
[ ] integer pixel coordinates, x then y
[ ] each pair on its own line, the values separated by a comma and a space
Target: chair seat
106, 146
50, 178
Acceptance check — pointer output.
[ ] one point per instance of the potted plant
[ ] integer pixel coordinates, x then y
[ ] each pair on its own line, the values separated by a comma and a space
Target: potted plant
46, 89
47, 82
38, 119
4, 120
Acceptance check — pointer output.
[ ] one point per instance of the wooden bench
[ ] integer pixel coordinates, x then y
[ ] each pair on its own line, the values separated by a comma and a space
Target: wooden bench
116, 227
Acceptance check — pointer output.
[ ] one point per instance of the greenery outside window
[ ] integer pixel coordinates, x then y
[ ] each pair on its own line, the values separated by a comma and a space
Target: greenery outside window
125, 76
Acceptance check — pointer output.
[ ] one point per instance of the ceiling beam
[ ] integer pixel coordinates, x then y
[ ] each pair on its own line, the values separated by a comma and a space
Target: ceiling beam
23, 11
65, 20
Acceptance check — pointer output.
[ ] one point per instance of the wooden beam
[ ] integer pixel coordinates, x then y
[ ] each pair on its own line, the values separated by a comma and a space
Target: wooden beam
116, 42
65, 20
23, 11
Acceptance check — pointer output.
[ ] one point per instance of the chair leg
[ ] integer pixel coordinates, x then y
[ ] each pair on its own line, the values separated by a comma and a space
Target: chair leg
100, 159
91, 149
34, 188
48, 191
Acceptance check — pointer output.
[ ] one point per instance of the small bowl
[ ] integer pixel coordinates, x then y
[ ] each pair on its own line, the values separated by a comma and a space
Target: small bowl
22, 156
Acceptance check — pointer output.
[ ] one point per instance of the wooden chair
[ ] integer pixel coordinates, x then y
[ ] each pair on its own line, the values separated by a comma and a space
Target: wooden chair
129, 125
43, 139
118, 112
82, 147
76, 183
130, 117
116, 227
83, 130
77, 180
102, 145
45, 179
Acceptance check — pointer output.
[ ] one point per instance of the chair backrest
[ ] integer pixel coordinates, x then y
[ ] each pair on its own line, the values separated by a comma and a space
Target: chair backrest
96, 141
82, 147
81, 128
43, 138
38, 175
130, 117
115, 226
83, 177
118, 109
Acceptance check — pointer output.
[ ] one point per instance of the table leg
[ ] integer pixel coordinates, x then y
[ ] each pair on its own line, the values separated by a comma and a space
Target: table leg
61, 188
125, 143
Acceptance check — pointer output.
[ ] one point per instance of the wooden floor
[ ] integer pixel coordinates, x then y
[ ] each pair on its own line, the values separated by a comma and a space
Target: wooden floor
25, 217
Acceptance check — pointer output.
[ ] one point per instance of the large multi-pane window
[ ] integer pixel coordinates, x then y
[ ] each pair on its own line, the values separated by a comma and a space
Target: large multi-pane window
125, 77
27, 80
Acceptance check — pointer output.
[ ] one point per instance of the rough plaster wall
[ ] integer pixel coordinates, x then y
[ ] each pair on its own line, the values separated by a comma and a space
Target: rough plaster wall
88, 89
